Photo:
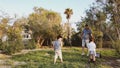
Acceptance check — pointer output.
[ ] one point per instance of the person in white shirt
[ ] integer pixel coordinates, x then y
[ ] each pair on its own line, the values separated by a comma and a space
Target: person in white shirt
92, 50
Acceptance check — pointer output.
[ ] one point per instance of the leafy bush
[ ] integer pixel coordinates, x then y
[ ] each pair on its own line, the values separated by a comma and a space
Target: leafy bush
75, 40
0, 44
13, 42
98, 38
30, 44
11, 47
99, 42
116, 45
65, 42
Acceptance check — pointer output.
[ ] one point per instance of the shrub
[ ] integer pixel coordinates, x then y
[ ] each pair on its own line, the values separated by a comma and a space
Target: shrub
116, 45
99, 42
11, 47
98, 38
30, 44
1, 44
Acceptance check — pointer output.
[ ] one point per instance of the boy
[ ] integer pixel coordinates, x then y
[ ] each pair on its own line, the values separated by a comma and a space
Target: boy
57, 48
92, 50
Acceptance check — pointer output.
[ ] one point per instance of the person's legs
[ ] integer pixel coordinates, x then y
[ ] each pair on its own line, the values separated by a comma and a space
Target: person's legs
87, 42
55, 57
91, 58
94, 59
60, 56
83, 46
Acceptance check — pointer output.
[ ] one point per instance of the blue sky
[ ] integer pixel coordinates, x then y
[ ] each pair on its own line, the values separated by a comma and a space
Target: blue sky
25, 7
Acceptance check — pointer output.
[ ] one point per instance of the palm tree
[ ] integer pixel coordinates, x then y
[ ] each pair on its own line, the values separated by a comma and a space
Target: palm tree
68, 13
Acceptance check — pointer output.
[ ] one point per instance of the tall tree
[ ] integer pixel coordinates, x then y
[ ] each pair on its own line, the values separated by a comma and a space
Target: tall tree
68, 13
111, 8
45, 25
103, 17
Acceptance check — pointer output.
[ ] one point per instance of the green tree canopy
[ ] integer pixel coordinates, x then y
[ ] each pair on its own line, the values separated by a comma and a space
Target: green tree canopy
44, 24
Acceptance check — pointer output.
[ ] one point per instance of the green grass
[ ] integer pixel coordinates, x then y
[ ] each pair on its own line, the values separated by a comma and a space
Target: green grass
71, 56
111, 53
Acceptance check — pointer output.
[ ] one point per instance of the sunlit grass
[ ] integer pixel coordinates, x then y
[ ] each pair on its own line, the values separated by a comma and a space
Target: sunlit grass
71, 56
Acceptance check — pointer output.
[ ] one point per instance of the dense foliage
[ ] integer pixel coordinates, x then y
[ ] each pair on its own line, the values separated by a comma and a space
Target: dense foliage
103, 18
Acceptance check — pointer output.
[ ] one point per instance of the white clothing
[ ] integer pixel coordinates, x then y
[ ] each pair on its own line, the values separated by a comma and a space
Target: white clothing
58, 53
85, 42
92, 46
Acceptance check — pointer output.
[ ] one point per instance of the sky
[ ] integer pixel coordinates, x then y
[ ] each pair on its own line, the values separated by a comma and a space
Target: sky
25, 7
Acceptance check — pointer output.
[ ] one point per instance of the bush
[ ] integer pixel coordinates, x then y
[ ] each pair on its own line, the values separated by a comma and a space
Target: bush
65, 42
30, 44
1, 44
98, 38
107, 44
76, 40
11, 47
99, 42
116, 45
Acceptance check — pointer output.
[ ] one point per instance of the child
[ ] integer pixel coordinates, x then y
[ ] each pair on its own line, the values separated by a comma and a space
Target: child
92, 50
57, 48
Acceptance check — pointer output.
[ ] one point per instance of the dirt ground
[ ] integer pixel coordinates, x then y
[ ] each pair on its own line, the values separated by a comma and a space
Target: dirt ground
113, 62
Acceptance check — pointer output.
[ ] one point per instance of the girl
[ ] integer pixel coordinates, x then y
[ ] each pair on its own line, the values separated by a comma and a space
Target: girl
92, 50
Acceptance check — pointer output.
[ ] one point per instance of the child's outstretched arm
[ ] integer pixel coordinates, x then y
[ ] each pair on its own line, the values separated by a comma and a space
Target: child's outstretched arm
61, 44
53, 45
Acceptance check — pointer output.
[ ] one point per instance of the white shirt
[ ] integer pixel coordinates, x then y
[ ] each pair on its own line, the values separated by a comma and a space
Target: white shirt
92, 46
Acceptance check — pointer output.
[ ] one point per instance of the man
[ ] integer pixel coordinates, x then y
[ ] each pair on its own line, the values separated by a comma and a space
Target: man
86, 34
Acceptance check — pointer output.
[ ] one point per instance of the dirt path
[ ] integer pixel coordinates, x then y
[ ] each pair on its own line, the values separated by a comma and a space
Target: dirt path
113, 62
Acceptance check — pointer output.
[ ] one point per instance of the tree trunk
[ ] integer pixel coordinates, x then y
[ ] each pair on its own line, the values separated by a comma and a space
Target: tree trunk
41, 42
38, 41
50, 42
116, 28
69, 33
116, 19
118, 33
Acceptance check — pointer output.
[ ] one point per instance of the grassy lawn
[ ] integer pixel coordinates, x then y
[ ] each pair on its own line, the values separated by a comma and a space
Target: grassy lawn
71, 56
